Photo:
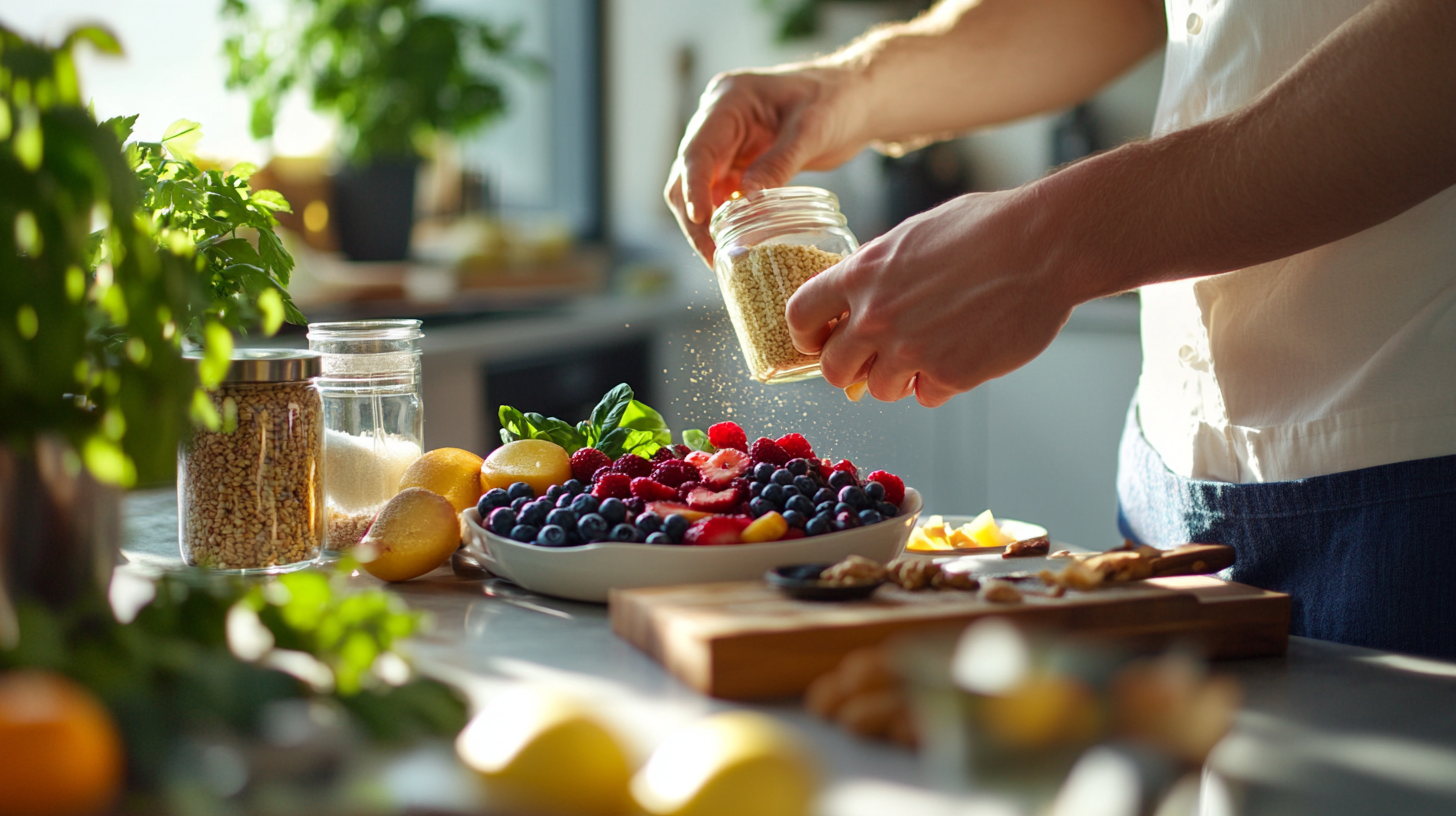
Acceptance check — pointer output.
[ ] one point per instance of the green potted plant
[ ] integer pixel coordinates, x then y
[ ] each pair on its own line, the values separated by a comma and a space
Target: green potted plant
393, 74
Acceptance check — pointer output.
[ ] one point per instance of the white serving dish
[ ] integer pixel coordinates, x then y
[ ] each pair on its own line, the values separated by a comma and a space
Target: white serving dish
589, 571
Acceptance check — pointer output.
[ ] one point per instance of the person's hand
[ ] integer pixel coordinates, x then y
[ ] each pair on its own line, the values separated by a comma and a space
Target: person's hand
755, 130
947, 300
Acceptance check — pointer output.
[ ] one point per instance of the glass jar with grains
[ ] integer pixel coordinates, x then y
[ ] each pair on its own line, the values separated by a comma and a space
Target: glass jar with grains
250, 494
768, 244
374, 419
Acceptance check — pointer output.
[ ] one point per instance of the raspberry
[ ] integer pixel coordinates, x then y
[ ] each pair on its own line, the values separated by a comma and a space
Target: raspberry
708, 500
823, 466
648, 490
601, 471
585, 462
846, 466
894, 487
724, 466
633, 465
767, 450
796, 446
635, 507
685, 488
613, 486
728, 435
674, 473
681, 451
664, 454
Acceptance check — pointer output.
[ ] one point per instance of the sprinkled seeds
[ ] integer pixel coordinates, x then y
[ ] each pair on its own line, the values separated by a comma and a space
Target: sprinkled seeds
757, 286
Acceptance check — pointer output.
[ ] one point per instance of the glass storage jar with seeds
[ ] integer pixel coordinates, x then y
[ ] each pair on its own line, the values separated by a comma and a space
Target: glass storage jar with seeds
374, 419
768, 244
250, 493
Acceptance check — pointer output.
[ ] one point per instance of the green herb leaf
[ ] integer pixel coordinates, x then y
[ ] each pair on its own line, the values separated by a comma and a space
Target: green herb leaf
641, 417
697, 440
614, 443
608, 414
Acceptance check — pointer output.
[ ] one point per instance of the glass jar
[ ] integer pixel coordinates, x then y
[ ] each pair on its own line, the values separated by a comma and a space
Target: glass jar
250, 494
770, 243
374, 419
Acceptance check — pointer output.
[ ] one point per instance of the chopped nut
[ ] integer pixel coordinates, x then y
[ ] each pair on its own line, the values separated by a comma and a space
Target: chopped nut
912, 573
856, 569
871, 714
1027, 547
1062, 554
946, 579
997, 591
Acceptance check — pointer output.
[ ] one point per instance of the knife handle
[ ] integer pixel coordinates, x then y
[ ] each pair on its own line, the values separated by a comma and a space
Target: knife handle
1193, 559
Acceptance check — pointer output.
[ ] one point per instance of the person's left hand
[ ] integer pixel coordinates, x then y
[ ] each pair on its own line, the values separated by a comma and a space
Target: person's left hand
943, 302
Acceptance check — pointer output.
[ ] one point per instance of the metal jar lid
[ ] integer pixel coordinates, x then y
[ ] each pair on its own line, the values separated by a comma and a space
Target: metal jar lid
270, 365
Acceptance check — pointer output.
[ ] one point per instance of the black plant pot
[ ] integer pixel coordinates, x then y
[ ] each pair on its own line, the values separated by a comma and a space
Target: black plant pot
374, 209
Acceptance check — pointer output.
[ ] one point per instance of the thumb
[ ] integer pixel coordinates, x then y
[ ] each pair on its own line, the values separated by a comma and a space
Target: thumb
775, 166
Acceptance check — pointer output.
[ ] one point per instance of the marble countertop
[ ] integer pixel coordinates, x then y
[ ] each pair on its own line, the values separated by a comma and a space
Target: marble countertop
1325, 729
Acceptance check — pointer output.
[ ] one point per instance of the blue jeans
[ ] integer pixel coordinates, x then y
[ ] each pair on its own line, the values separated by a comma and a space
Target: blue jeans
1368, 556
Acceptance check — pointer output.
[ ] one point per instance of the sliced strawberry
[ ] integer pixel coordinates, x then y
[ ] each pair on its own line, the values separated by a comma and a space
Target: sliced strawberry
714, 501
666, 508
725, 466
716, 530
685, 488
697, 459
646, 489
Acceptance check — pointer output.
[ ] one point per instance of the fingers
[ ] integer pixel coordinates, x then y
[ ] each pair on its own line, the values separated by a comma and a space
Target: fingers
889, 382
932, 394
846, 358
697, 234
810, 310
777, 165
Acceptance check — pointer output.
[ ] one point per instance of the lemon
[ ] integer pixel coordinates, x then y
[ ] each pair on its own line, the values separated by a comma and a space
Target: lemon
727, 765
539, 463
60, 753
540, 753
415, 532
449, 472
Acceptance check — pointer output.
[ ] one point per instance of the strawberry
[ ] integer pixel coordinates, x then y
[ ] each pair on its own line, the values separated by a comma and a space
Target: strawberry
894, 487
767, 450
685, 488
648, 490
697, 458
586, 462
725, 466
613, 486
714, 501
632, 465
663, 509
823, 466
791, 534
715, 530
674, 473
664, 454
796, 446
728, 435
601, 471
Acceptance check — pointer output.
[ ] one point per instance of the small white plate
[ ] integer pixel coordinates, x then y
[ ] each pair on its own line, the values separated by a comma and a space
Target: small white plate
589, 571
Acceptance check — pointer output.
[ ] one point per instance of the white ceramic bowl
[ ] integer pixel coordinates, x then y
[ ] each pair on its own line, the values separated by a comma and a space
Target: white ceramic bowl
587, 572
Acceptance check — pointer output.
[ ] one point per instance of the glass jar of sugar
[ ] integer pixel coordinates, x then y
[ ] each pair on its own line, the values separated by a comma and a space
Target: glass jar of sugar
768, 244
374, 419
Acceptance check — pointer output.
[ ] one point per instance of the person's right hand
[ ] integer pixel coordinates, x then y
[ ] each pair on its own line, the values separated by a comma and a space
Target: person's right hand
755, 130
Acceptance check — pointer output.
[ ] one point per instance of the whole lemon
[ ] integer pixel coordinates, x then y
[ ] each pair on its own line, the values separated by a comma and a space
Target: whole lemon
539, 463
449, 472
414, 533
541, 753
727, 765
60, 754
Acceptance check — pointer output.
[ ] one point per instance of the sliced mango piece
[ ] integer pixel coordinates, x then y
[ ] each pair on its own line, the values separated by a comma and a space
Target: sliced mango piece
767, 527
920, 542
986, 533
960, 538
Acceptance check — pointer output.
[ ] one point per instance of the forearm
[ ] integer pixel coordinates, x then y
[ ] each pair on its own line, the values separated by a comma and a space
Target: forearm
1361, 130
966, 64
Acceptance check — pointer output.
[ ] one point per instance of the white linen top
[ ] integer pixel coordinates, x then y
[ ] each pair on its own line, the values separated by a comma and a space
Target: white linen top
1339, 358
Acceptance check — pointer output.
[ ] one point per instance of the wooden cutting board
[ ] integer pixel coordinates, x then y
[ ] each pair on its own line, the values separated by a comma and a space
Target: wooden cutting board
745, 640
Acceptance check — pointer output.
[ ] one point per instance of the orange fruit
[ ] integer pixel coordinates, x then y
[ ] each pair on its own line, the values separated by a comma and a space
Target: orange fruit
539, 463
60, 754
415, 532
449, 472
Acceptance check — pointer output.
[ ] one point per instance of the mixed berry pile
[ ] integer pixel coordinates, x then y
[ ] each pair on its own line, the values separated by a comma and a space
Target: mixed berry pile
737, 493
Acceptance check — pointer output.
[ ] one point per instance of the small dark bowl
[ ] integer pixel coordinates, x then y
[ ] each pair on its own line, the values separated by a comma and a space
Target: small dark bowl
802, 581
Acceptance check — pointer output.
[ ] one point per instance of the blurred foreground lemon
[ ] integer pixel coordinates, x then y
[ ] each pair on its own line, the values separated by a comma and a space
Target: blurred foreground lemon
539, 463
543, 754
59, 751
727, 765
450, 472
414, 533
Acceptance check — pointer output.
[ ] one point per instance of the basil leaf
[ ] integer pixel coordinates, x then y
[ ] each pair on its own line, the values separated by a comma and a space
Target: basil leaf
588, 433
613, 444
641, 417
642, 443
698, 440
513, 424
608, 413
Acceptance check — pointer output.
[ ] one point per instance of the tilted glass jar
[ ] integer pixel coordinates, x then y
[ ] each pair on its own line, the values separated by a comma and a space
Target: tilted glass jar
768, 244
250, 494
374, 418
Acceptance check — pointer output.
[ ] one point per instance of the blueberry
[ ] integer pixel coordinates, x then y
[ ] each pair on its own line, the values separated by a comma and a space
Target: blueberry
519, 490
493, 498
551, 536
648, 522
574, 539
585, 503
524, 533
790, 491
761, 507
819, 525
825, 508
845, 507
773, 493
782, 477
613, 510
806, 485
675, 526
763, 472
659, 538
635, 506
887, 510
623, 532
592, 527
845, 521
868, 517
800, 504
840, 479
854, 497
565, 499
795, 519
825, 494
798, 467
501, 520
535, 512
573, 487
517, 504
554, 492
875, 491
755, 489
565, 519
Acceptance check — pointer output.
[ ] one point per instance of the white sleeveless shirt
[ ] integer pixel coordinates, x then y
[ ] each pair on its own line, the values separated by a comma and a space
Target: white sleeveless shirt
1339, 358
